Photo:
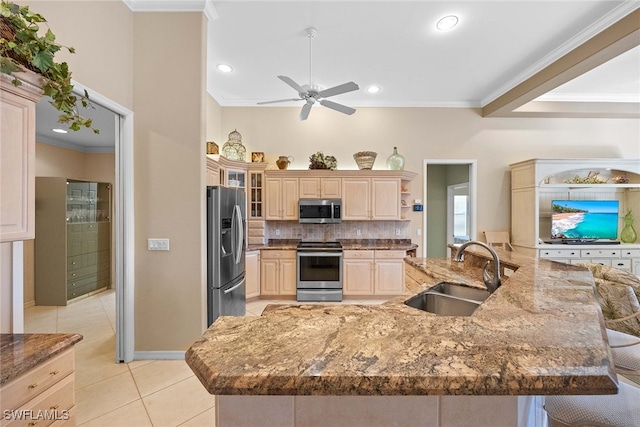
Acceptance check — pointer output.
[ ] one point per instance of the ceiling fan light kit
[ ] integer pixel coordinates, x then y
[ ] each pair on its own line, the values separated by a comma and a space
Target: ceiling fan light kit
310, 93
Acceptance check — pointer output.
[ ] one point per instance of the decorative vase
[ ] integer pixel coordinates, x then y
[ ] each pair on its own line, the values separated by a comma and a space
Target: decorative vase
284, 161
628, 234
395, 162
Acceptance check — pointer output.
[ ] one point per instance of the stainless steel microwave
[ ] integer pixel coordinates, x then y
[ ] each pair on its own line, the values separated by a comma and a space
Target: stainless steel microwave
320, 211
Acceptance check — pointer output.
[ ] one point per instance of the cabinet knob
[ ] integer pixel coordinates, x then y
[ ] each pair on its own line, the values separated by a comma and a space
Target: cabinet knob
54, 372
32, 386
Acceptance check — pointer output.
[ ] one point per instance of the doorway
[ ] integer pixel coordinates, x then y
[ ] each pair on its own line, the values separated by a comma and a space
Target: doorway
121, 119
446, 180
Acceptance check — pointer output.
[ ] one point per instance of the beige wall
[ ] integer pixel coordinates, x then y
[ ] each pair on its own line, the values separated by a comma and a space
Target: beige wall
169, 104
153, 64
434, 133
57, 161
214, 122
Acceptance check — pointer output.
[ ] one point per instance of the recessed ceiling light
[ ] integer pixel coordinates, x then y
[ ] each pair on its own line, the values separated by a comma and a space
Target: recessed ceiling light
373, 89
225, 68
58, 130
447, 23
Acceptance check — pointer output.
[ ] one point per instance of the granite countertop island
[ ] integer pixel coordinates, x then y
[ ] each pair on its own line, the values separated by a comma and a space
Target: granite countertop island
540, 333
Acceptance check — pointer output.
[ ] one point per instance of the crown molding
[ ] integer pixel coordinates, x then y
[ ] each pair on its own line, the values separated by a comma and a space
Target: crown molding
205, 6
589, 97
75, 147
600, 25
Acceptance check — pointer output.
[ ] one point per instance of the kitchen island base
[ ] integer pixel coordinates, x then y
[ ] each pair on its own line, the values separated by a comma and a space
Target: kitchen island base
371, 411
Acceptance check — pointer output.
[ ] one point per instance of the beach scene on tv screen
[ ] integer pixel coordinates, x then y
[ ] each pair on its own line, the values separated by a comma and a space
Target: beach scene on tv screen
584, 219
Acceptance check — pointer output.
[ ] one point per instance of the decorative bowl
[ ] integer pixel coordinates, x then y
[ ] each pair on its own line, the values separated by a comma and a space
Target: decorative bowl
365, 159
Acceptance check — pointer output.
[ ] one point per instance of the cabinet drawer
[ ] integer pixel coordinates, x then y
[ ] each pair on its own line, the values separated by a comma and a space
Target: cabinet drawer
72, 283
600, 253
271, 254
358, 254
51, 404
391, 254
631, 253
34, 382
601, 261
559, 253
622, 264
82, 290
79, 273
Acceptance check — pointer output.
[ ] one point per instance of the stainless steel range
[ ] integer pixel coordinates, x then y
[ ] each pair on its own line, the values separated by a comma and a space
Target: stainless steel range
319, 271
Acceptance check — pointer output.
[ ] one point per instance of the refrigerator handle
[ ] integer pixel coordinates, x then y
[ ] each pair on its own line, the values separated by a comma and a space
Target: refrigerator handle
228, 291
239, 233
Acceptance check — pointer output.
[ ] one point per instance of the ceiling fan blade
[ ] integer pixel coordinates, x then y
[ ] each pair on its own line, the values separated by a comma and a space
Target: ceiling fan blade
306, 109
338, 107
293, 84
337, 90
280, 100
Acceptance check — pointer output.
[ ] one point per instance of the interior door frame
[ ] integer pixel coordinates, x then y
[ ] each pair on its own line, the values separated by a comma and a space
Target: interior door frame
124, 223
451, 189
473, 191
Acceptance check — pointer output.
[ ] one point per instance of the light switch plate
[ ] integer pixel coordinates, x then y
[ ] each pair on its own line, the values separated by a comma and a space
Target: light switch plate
158, 244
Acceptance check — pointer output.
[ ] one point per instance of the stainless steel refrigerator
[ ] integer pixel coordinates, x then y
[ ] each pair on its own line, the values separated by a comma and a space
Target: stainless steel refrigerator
226, 225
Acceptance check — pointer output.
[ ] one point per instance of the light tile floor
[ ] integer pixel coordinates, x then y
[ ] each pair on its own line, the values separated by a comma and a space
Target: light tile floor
142, 393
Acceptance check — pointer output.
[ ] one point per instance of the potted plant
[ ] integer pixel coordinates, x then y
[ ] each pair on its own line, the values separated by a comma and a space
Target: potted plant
23, 47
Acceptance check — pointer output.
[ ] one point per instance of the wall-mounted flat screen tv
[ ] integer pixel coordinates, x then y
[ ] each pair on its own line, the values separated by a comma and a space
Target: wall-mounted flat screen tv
584, 219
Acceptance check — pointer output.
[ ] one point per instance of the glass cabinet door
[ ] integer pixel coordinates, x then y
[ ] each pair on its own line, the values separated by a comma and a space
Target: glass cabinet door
88, 202
256, 194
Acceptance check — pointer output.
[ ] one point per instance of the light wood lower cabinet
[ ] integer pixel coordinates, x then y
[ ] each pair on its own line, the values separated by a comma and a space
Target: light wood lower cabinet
278, 272
373, 272
252, 274
45, 392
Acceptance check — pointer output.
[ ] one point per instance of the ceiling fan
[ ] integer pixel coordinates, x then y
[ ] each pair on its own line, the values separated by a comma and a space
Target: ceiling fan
311, 93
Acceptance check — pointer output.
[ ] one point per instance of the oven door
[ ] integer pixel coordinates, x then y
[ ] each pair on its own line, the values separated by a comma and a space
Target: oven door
319, 270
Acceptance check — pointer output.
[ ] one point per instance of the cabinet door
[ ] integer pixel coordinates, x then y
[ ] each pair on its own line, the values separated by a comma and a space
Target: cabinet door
309, 188
287, 277
252, 274
17, 172
331, 188
357, 277
356, 198
385, 198
269, 276
289, 198
273, 201
389, 277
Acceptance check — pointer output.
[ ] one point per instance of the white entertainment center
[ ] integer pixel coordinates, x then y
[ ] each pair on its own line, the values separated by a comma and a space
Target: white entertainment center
535, 183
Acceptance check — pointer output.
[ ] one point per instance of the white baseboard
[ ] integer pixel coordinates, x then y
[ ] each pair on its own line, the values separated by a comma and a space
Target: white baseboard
158, 355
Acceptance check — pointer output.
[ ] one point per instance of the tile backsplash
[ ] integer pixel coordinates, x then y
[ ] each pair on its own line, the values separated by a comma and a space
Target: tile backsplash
345, 230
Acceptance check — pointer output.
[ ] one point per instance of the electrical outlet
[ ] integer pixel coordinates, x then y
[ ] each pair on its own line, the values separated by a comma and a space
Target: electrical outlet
508, 272
158, 244
398, 232
358, 232
277, 231
419, 232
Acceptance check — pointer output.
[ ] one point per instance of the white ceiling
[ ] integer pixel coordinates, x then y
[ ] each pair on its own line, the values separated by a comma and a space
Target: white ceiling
392, 44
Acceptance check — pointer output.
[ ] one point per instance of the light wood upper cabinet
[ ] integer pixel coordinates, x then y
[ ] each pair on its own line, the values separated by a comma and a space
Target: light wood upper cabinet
371, 198
281, 198
17, 158
324, 188
356, 200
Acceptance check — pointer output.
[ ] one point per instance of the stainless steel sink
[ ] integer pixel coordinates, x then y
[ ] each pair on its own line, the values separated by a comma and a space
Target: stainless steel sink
449, 299
460, 291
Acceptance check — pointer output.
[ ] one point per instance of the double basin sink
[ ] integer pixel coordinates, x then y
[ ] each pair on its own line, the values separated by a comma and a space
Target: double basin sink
449, 299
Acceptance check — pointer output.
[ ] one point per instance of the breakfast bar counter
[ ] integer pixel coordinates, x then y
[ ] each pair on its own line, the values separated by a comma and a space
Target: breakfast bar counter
540, 333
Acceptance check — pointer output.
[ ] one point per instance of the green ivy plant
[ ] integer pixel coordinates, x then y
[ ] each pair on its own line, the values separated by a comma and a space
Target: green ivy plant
23, 47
